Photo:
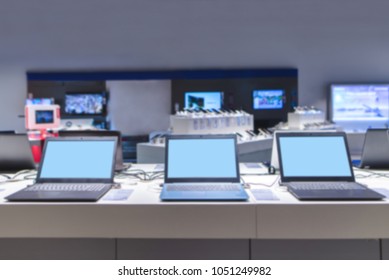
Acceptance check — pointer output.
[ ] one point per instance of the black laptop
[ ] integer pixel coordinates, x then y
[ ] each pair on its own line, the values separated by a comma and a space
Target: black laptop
375, 153
202, 167
119, 165
72, 169
15, 153
317, 166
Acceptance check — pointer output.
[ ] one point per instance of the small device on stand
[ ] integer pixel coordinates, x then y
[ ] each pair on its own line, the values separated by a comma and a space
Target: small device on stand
40, 118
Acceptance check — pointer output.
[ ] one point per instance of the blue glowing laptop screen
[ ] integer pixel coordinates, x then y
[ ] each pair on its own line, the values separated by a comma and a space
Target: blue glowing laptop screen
314, 156
202, 158
78, 159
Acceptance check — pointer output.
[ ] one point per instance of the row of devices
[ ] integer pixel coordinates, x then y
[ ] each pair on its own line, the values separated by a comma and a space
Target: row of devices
250, 134
159, 138
314, 166
262, 99
95, 103
211, 111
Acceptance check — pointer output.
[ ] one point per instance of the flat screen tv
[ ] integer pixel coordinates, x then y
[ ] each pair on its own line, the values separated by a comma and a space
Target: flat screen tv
363, 105
268, 99
204, 100
85, 103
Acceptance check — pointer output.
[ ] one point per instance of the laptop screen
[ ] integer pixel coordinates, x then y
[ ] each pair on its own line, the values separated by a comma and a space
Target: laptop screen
15, 153
375, 152
199, 159
78, 159
313, 156
98, 133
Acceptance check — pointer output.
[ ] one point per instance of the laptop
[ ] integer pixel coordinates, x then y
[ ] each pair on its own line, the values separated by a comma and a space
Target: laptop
119, 166
15, 153
317, 166
72, 169
375, 152
202, 167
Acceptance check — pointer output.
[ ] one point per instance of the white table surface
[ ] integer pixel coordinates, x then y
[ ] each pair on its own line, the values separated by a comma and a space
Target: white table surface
143, 215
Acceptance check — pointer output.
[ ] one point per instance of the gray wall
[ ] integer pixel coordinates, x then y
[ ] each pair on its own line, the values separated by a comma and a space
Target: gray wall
335, 40
139, 107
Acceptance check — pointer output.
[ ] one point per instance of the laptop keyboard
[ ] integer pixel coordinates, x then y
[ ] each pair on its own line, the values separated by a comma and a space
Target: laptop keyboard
216, 187
326, 186
66, 187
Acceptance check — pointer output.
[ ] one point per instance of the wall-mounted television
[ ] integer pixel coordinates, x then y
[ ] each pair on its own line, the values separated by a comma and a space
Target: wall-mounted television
359, 105
268, 99
204, 100
81, 103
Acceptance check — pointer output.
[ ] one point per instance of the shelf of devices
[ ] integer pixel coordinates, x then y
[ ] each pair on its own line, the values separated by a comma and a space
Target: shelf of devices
251, 148
203, 122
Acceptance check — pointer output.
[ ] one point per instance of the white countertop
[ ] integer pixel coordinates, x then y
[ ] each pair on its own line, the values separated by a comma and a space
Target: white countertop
143, 215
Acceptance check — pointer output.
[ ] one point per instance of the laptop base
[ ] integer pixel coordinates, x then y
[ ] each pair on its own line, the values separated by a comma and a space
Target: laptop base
203, 195
58, 196
336, 195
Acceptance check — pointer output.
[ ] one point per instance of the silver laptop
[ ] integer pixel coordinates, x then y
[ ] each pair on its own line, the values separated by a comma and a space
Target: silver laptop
15, 153
375, 153
72, 169
119, 165
317, 166
202, 167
